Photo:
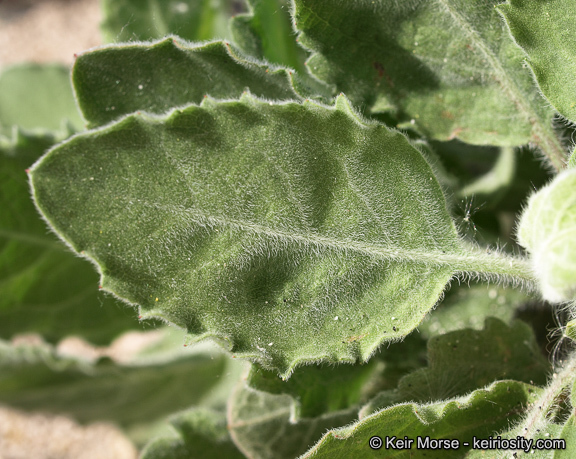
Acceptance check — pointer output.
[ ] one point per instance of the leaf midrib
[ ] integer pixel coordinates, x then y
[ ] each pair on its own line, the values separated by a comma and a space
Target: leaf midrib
509, 87
466, 260
554, 150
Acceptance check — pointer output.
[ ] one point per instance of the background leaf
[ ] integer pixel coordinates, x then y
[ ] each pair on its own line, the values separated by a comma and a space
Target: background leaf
546, 32
44, 287
317, 390
449, 66
37, 377
121, 79
463, 360
194, 20
263, 427
200, 432
480, 414
266, 33
37, 98
468, 306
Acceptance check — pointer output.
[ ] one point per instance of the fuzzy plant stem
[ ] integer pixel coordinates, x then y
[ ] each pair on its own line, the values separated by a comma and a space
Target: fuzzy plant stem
538, 412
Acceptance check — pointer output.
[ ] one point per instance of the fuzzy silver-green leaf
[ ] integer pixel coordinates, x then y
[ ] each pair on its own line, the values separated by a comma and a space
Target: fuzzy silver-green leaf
449, 66
116, 80
546, 31
290, 233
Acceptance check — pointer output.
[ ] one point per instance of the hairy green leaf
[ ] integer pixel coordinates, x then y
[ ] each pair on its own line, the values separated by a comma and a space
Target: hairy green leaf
546, 229
546, 32
37, 377
463, 360
263, 425
195, 20
37, 98
121, 79
290, 233
450, 66
266, 33
200, 433
480, 414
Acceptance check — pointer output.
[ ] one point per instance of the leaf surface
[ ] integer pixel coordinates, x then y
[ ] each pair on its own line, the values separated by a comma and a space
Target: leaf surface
464, 360
468, 306
262, 425
266, 33
200, 432
568, 433
546, 32
37, 377
194, 20
448, 65
317, 389
119, 79
45, 288
572, 159
480, 414
37, 98
289, 232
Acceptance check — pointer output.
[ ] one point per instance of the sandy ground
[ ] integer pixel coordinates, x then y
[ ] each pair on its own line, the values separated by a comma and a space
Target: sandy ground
47, 30
38, 436
52, 31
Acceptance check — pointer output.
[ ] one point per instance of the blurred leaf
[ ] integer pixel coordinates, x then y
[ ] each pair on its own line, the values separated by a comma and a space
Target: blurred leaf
468, 306
38, 98
568, 433
572, 160
194, 20
317, 389
200, 433
263, 425
266, 33
497, 180
36, 377
44, 287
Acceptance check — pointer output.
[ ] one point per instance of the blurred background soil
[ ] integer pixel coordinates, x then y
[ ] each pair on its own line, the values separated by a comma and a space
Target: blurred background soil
47, 30
52, 31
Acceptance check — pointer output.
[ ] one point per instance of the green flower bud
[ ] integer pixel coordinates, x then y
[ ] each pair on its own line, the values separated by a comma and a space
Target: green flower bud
548, 231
